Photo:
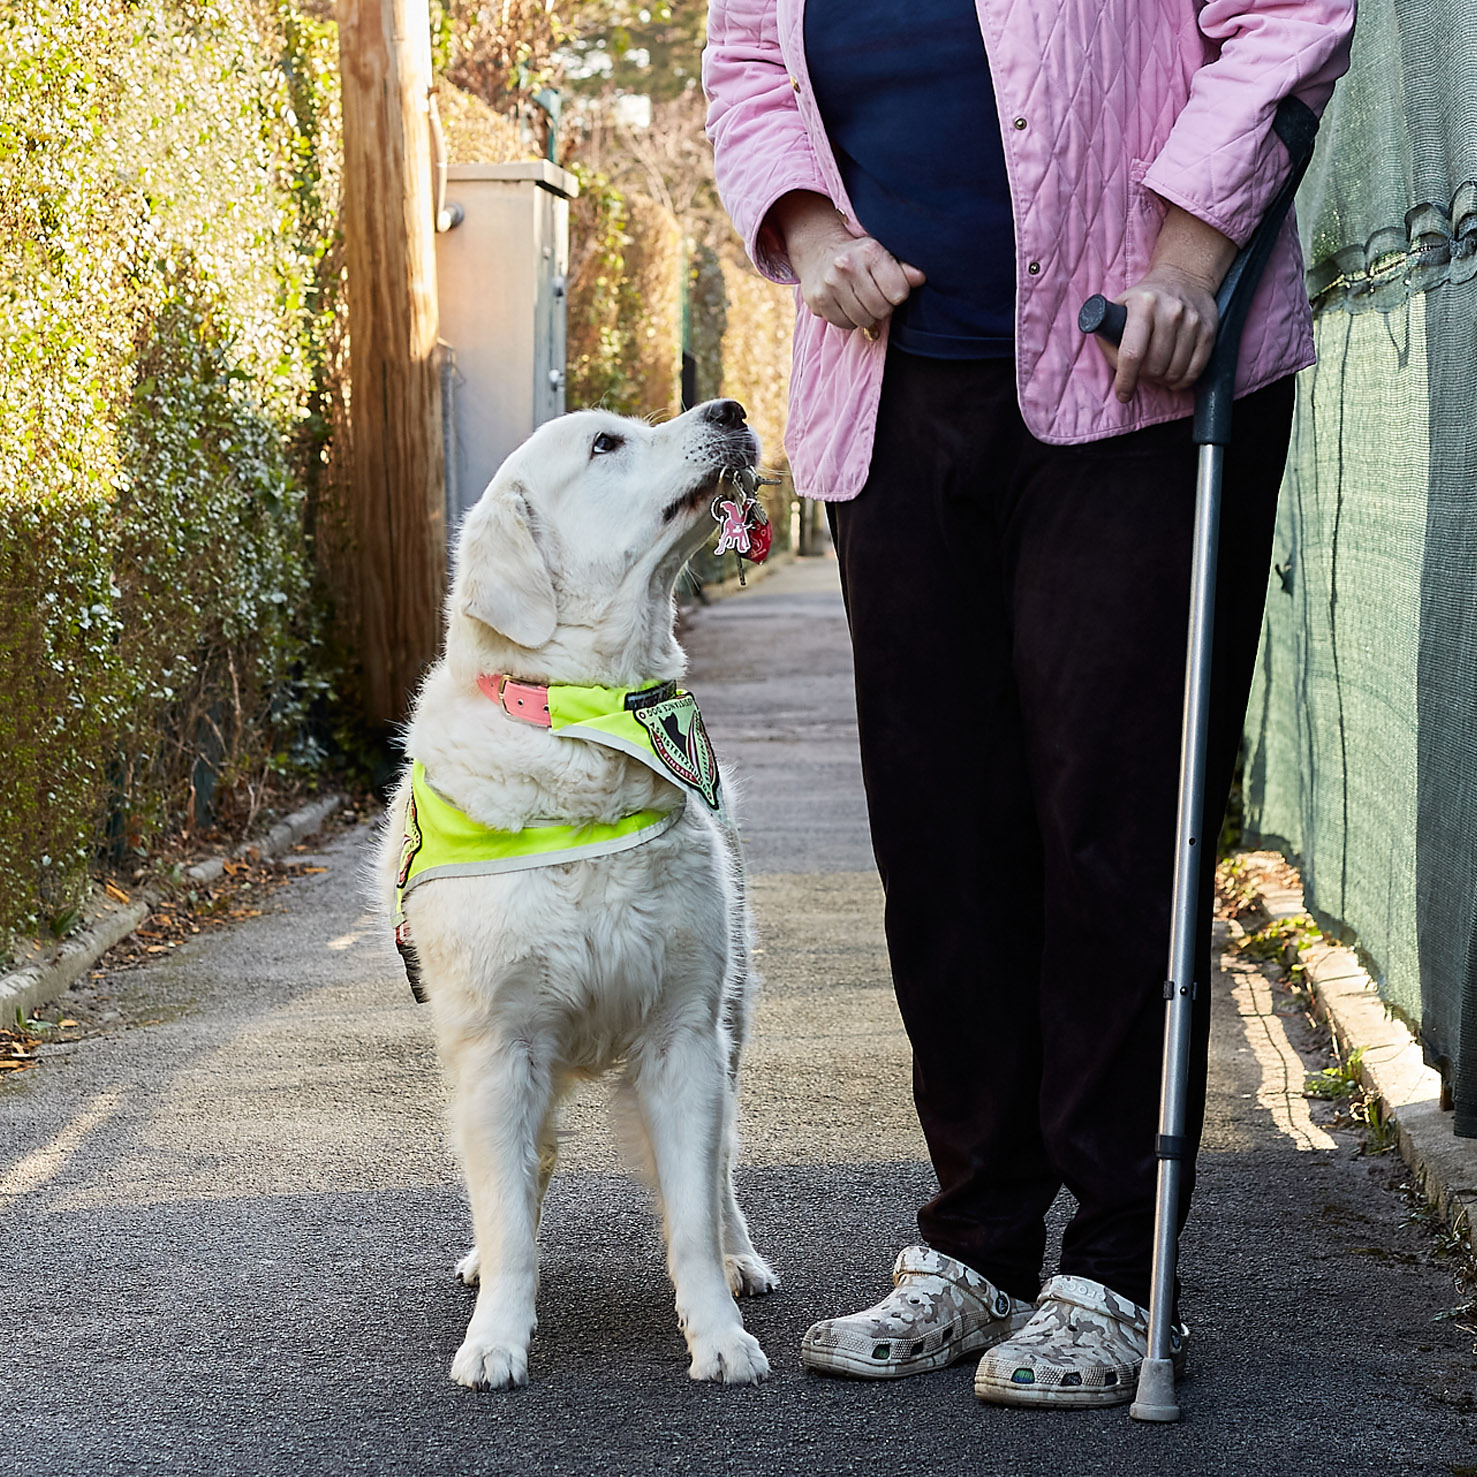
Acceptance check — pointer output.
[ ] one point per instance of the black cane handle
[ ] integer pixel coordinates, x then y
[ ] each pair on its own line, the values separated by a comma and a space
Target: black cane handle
1098, 315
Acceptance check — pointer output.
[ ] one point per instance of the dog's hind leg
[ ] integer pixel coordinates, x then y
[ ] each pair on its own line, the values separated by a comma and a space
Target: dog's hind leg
502, 1092
681, 1086
548, 1155
748, 1273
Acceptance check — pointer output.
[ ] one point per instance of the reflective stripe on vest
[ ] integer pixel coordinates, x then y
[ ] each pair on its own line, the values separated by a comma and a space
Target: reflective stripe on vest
442, 841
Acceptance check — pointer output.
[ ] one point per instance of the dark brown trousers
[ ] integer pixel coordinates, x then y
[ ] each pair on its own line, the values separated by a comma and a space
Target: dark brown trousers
1018, 615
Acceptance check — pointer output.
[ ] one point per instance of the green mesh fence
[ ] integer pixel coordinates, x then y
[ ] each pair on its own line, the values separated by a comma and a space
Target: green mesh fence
1361, 744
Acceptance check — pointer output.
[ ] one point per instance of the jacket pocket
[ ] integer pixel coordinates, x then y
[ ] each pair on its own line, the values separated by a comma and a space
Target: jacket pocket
1141, 230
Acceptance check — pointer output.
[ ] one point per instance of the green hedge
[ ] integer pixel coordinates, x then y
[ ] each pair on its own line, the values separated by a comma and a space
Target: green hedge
167, 295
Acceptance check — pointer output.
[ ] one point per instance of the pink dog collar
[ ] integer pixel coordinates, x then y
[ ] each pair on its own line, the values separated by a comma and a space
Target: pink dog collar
525, 700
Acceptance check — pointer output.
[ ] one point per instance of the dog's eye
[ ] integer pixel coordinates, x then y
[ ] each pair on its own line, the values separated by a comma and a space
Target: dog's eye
605, 442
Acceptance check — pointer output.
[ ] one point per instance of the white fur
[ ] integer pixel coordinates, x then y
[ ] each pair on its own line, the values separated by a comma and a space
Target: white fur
638, 961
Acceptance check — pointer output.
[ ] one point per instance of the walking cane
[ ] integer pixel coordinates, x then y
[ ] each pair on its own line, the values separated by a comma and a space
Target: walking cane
1296, 125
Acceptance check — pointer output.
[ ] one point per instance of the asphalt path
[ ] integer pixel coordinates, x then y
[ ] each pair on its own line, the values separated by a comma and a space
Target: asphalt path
228, 1223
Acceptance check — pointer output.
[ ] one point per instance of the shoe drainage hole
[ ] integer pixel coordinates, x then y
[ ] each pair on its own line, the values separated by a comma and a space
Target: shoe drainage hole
1023, 1377
881, 1351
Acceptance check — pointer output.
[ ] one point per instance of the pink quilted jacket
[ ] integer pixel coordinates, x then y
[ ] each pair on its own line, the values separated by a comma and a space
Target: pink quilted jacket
1108, 108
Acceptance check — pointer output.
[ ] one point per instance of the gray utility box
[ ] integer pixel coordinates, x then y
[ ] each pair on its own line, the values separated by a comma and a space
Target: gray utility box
501, 280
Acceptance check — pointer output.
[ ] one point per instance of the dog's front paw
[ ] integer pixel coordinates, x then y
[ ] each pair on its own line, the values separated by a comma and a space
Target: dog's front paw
732, 1357
749, 1275
484, 1365
469, 1269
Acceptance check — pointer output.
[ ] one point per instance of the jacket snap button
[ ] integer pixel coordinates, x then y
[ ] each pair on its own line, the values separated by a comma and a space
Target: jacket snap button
1034, 269
1020, 122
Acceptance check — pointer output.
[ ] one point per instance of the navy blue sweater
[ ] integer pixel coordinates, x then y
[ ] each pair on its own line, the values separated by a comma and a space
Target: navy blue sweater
905, 95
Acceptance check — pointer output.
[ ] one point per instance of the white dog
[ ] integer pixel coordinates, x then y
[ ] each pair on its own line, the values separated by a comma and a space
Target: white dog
613, 932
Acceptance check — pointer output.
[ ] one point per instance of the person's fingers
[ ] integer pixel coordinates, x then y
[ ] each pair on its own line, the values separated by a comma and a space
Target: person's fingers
873, 299
861, 310
1204, 346
1185, 340
858, 284
863, 300
1194, 340
876, 280
1137, 331
853, 282
834, 297
821, 301
1172, 340
824, 300
889, 279
1167, 340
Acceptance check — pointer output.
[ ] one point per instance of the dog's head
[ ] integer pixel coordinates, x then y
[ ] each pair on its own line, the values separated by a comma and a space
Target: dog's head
566, 565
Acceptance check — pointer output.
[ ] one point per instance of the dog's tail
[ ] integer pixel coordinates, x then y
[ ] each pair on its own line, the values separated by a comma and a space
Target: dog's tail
377, 877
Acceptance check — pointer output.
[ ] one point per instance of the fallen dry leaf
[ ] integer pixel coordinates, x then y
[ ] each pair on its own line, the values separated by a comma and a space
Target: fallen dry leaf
115, 892
17, 1050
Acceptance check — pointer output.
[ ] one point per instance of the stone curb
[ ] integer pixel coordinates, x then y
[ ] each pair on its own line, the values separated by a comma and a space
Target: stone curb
108, 922
1393, 1069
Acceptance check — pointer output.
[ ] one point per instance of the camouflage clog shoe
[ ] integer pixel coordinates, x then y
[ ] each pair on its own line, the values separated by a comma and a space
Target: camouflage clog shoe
938, 1311
1083, 1347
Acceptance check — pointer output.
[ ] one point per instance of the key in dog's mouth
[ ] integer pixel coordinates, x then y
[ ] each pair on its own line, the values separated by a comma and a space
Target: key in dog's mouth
703, 493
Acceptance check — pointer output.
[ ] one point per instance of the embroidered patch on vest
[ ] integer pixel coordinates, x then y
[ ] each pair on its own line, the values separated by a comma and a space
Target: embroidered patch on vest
681, 743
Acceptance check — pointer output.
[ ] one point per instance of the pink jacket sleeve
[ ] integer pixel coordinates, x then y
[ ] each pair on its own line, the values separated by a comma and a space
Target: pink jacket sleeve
761, 149
1222, 162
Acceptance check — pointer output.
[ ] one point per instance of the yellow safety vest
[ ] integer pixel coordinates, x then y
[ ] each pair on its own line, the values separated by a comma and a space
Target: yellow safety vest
658, 725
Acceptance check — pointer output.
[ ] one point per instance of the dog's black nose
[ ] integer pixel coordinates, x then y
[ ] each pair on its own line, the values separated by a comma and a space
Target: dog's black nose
726, 413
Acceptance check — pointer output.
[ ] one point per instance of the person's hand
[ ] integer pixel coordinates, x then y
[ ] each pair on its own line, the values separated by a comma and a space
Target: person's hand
851, 281
1172, 317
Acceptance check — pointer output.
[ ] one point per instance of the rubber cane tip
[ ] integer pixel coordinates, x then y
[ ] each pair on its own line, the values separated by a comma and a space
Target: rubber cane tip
1156, 1400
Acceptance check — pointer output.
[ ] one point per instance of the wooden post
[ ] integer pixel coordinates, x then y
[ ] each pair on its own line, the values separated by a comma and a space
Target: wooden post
397, 497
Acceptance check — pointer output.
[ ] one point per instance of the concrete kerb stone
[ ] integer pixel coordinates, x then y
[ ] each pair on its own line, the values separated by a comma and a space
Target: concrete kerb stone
1391, 1067
107, 922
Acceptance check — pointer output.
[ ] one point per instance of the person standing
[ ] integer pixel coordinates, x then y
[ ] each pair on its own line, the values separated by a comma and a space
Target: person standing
944, 183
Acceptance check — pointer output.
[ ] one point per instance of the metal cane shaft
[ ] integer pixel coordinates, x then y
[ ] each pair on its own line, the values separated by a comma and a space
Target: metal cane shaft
1190, 854
1215, 394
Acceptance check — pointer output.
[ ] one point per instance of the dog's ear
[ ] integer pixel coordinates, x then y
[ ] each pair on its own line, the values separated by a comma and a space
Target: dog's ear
502, 579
